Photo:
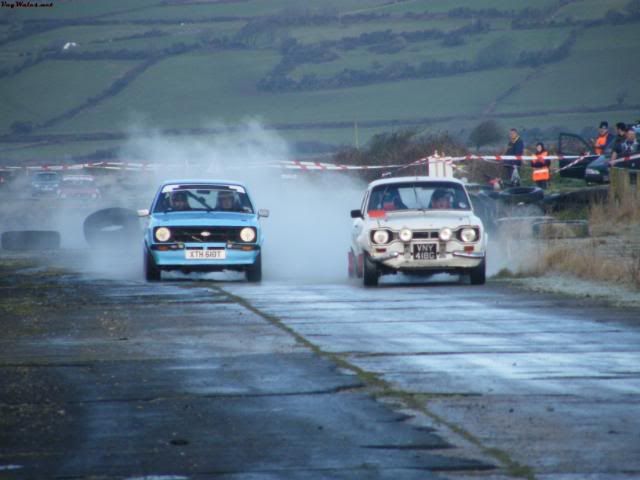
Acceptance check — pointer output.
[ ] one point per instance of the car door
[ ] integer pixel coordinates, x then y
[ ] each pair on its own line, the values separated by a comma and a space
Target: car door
571, 144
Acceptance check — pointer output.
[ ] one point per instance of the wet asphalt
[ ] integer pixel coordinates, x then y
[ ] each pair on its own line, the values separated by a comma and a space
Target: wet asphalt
105, 376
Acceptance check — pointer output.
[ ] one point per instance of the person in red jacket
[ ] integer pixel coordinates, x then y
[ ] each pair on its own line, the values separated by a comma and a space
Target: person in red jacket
540, 165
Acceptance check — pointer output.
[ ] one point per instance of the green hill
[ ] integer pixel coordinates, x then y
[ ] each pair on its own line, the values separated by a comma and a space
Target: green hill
76, 77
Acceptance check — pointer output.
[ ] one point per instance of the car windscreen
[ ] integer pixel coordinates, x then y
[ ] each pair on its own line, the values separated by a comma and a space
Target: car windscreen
46, 177
175, 198
419, 196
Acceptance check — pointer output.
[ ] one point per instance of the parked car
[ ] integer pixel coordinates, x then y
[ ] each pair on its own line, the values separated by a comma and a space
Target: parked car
593, 168
45, 183
418, 225
196, 225
78, 186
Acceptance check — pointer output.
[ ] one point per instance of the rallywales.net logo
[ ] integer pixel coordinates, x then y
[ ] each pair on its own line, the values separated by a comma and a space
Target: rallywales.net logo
18, 4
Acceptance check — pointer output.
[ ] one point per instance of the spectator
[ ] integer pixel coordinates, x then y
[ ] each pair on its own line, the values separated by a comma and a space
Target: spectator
604, 139
515, 147
541, 173
627, 148
621, 130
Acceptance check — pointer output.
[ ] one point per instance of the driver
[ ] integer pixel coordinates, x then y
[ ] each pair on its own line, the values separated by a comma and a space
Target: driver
179, 201
392, 201
441, 199
226, 201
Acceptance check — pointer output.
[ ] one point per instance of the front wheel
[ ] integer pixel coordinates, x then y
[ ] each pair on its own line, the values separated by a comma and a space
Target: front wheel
371, 273
478, 275
254, 271
151, 271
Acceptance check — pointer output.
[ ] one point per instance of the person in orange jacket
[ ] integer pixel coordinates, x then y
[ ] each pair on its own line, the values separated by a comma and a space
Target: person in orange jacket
541, 171
603, 140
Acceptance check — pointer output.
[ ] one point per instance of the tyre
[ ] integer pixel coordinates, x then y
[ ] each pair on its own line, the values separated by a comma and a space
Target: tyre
31, 240
478, 275
151, 271
520, 195
553, 229
113, 228
371, 273
254, 272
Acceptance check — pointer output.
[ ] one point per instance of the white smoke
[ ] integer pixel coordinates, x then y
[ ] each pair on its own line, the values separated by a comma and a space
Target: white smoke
308, 230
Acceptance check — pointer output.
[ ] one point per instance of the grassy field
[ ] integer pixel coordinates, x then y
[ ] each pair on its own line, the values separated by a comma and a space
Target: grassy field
194, 81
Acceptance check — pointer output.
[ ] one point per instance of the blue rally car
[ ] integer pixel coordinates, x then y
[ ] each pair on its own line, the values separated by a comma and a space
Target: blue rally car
196, 225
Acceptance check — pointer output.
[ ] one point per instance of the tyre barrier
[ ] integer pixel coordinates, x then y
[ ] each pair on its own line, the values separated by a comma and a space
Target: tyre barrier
112, 228
521, 195
28, 240
577, 199
557, 229
519, 227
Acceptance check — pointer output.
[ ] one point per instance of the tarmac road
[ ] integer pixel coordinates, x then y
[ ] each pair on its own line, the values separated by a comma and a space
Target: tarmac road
105, 376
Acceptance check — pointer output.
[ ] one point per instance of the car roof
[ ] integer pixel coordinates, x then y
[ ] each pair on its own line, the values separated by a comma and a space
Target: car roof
393, 180
201, 182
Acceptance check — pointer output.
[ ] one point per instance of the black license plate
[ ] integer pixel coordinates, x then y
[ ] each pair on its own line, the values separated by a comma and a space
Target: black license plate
425, 251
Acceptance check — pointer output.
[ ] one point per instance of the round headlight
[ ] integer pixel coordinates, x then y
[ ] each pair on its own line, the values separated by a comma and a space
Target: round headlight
445, 234
405, 235
247, 234
468, 235
380, 236
163, 234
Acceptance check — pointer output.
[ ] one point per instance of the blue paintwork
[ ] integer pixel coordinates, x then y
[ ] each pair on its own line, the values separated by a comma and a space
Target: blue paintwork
176, 258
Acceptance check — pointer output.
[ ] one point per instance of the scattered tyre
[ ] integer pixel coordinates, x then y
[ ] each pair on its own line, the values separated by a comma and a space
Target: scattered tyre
521, 195
112, 228
21, 240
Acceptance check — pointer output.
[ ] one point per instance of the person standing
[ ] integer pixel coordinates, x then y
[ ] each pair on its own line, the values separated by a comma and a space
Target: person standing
621, 130
515, 147
627, 148
541, 172
603, 140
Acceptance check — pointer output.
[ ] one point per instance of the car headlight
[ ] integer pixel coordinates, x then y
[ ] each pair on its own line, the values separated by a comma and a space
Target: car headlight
247, 234
468, 235
445, 234
405, 235
592, 171
380, 236
163, 234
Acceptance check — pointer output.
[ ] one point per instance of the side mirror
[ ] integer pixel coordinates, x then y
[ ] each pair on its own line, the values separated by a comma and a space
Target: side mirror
263, 213
356, 214
143, 213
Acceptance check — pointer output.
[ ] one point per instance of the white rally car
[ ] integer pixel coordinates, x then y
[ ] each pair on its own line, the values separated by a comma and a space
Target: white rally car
420, 225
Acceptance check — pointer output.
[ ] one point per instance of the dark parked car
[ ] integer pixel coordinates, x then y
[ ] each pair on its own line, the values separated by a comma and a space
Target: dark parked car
45, 183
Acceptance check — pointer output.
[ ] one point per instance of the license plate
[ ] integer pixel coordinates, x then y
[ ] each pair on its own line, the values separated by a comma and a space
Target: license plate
425, 251
218, 254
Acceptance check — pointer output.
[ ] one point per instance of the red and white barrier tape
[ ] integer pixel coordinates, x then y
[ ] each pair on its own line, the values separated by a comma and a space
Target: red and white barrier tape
323, 166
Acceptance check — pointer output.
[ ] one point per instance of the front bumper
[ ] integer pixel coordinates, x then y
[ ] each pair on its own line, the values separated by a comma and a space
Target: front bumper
237, 257
451, 256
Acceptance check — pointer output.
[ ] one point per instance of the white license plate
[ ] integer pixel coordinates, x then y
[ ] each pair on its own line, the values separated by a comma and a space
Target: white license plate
218, 254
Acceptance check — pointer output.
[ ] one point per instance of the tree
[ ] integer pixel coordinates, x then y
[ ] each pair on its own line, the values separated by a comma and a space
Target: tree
486, 133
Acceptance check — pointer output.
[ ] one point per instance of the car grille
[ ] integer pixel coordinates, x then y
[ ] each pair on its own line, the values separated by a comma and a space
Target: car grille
195, 234
425, 234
